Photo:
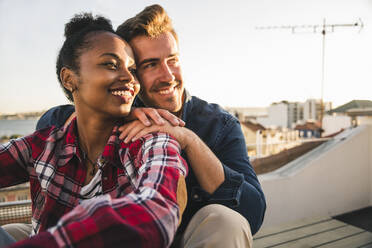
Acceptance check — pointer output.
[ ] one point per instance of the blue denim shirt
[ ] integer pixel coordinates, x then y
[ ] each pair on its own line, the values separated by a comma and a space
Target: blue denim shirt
222, 133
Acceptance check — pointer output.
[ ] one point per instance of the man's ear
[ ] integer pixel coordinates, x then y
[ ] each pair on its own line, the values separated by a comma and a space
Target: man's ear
68, 79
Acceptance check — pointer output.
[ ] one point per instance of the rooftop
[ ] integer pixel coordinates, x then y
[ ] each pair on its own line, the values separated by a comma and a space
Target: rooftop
308, 126
253, 126
355, 104
348, 230
322, 198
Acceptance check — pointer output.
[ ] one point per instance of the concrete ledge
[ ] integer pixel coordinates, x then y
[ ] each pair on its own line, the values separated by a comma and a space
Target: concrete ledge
332, 179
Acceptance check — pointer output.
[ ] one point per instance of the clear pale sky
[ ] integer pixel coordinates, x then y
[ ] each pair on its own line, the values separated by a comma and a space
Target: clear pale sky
225, 59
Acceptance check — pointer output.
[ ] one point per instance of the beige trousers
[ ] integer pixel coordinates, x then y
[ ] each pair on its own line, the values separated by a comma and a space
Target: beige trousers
18, 231
213, 226
216, 226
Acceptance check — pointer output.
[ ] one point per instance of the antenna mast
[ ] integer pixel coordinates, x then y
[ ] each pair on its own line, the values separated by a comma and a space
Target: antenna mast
323, 30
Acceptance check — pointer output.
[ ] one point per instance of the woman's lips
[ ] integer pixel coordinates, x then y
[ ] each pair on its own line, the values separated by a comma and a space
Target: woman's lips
125, 91
122, 93
125, 94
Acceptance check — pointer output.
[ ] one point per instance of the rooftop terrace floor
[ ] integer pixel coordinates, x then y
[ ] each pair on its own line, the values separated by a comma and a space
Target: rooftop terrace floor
350, 230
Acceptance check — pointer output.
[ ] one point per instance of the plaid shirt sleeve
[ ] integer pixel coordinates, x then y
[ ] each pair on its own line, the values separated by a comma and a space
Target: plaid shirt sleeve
14, 158
147, 217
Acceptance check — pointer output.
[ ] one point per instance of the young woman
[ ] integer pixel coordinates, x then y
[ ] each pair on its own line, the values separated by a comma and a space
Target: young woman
89, 188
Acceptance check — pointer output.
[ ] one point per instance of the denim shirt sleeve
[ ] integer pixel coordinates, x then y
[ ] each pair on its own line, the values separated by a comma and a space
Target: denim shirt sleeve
241, 190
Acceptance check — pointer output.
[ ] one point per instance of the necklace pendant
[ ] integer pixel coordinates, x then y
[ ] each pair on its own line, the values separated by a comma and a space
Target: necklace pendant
93, 172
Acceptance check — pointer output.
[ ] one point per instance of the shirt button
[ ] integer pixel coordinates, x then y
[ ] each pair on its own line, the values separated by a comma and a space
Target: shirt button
196, 196
104, 178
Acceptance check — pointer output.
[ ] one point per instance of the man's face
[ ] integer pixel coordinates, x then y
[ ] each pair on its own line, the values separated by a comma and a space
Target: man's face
159, 71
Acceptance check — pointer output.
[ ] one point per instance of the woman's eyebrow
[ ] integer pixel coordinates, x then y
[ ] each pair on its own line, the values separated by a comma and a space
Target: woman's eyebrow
111, 55
114, 55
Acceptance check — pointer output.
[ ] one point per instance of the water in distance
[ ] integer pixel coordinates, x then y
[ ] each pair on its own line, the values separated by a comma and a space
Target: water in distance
21, 127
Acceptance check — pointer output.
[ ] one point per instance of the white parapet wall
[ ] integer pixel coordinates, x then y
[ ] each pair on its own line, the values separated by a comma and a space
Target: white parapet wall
370, 162
334, 123
332, 179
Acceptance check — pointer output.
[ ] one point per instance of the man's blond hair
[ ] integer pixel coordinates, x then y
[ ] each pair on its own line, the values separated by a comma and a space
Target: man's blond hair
151, 22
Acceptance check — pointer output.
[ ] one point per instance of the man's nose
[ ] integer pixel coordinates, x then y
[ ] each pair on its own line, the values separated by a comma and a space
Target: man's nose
166, 73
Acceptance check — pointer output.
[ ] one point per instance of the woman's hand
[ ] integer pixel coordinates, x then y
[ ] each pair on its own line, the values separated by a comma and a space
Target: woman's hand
158, 116
136, 129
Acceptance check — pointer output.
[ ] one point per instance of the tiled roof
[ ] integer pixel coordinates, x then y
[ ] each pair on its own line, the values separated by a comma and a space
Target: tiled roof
355, 104
308, 126
253, 126
359, 112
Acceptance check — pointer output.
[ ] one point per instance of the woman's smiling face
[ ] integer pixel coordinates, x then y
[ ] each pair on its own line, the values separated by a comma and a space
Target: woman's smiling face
105, 82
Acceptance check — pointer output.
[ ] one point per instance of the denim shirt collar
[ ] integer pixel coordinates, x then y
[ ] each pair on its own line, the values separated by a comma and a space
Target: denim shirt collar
187, 105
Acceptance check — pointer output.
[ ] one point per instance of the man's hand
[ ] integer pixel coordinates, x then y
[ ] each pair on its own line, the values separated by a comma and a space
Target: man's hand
207, 167
158, 116
136, 129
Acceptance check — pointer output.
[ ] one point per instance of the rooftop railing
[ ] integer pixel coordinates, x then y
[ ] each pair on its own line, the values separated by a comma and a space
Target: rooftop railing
15, 212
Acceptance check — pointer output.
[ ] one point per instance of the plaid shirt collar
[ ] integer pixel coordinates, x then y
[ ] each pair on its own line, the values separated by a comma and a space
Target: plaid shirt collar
70, 145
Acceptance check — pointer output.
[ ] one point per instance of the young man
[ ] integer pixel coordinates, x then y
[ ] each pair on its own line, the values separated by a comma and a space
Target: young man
226, 204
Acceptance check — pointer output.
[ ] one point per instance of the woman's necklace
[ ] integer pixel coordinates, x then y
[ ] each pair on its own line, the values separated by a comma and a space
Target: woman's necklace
94, 164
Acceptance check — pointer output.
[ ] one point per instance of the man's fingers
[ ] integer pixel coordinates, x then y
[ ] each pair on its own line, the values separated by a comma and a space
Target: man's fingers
125, 130
133, 131
143, 118
154, 115
148, 116
174, 120
182, 123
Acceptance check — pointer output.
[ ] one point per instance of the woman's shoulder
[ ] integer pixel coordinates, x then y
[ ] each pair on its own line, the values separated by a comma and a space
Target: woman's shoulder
41, 135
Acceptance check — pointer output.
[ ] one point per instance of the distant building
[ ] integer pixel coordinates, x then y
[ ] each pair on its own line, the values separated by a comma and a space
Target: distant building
360, 116
312, 109
354, 104
21, 116
353, 113
278, 116
263, 142
288, 114
273, 141
247, 113
295, 113
309, 130
15, 193
250, 129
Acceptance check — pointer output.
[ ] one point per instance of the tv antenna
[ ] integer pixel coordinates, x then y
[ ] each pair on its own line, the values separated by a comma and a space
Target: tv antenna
323, 29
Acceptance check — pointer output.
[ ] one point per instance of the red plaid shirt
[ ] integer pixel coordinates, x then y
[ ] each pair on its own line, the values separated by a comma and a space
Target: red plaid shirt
141, 183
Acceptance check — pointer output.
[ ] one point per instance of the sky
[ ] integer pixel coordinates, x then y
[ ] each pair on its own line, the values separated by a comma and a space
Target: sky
225, 58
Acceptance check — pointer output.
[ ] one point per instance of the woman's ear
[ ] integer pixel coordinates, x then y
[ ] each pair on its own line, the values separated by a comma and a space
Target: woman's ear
68, 79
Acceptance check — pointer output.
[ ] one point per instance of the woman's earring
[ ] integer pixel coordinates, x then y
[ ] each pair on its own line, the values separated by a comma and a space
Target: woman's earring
71, 89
